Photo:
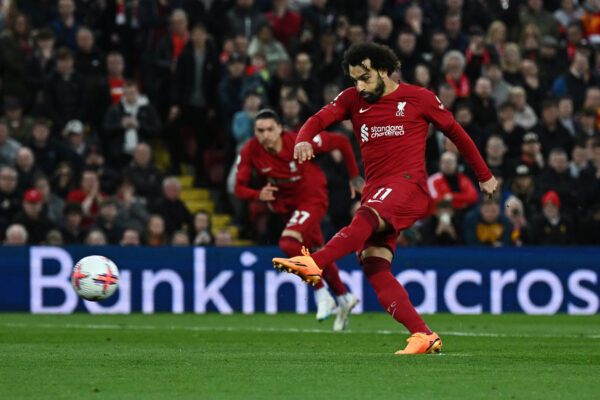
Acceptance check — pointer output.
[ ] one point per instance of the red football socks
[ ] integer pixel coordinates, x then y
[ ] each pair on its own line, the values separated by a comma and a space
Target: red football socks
348, 239
392, 295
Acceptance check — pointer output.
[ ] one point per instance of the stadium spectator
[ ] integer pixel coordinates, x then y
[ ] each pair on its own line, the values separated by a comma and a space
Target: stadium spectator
285, 22
14, 47
565, 115
64, 90
550, 131
108, 177
155, 234
525, 116
510, 60
451, 185
8, 146
484, 107
48, 152
515, 213
551, 227
20, 127
423, 76
495, 152
40, 63
551, 60
170, 207
223, 238
531, 153
464, 115
78, 143
568, 12
108, 222
575, 81
457, 39
243, 121
588, 123
589, 228
52, 204
133, 211
131, 237
579, 161
180, 238
26, 168
556, 177
306, 78
66, 26
384, 29
72, 229
10, 196
145, 177
194, 98
590, 179
128, 123
63, 180
406, 48
439, 46
201, 230
453, 67
500, 88
535, 90
264, 42
534, 13
487, 226
442, 228
16, 235
244, 19
89, 60
32, 217
53, 238
96, 237
88, 195
496, 36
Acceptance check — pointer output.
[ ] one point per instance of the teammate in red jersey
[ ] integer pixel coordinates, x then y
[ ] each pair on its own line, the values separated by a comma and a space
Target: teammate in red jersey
298, 192
390, 121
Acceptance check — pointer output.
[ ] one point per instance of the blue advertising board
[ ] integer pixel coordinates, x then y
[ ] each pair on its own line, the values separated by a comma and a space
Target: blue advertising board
226, 280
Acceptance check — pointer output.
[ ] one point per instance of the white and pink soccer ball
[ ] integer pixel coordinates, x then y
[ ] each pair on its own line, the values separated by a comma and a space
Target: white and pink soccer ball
95, 278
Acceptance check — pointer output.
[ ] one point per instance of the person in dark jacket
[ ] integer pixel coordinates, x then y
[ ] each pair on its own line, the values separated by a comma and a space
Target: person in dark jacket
10, 196
128, 123
14, 46
194, 97
40, 63
48, 151
145, 177
171, 208
32, 218
551, 227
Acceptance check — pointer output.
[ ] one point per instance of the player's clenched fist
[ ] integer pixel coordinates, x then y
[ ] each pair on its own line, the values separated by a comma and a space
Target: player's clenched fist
489, 187
267, 193
303, 151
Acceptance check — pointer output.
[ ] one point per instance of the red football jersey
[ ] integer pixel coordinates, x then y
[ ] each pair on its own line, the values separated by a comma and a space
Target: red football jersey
294, 180
392, 132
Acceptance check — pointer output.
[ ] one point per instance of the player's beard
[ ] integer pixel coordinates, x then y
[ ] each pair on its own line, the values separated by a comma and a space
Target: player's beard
372, 97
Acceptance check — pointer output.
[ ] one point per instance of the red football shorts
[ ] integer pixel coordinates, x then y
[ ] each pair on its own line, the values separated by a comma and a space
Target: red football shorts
399, 203
306, 219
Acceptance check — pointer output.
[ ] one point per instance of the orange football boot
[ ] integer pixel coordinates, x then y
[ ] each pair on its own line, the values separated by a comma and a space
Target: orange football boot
303, 266
420, 343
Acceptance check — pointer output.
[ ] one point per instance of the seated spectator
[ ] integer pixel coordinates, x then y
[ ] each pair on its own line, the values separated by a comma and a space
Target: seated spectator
89, 60
133, 212
96, 237
107, 221
108, 177
531, 153
64, 91
495, 150
127, 124
590, 178
511, 133
305, 77
20, 127
579, 161
453, 67
32, 217
441, 228
66, 26
558, 178
145, 177
242, 125
515, 213
525, 117
180, 238
48, 151
155, 234
171, 208
484, 107
285, 22
575, 81
63, 180
201, 230
565, 115
72, 229
10, 196
74, 133
451, 185
550, 131
16, 235
53, 238
265, 43
53, 205
487, 226
223, 239
551, 228
40, 63
523, 187
500, 88
8, 146
589, 228
89, 196
131, 237
588, 127
26, 168
463, 114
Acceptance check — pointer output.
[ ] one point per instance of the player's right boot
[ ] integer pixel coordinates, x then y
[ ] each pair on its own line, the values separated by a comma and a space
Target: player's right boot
420, 343
346, 303
303, 266
325, 304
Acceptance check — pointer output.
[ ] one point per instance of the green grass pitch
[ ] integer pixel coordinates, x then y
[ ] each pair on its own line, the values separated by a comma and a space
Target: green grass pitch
290, 356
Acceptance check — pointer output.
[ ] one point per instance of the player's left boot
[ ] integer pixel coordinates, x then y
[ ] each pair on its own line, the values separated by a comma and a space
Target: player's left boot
303, 266
420, 343
325, 304
346, 303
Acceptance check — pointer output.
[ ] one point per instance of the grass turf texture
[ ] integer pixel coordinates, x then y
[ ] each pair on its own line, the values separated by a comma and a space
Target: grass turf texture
289, 356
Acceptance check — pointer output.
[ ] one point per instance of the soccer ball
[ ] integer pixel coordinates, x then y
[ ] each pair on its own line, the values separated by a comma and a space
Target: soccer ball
95, 278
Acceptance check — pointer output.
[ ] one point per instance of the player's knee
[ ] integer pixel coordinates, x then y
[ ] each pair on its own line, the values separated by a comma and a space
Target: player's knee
370, 216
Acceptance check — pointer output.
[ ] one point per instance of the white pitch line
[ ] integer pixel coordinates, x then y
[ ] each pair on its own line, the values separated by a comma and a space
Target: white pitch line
277, 330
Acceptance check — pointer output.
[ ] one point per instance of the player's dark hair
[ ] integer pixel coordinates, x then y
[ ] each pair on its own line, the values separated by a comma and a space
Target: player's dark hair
268, 113
381, 56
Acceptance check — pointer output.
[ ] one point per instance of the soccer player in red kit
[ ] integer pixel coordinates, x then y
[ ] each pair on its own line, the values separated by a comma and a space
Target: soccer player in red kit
390, 121
298, 192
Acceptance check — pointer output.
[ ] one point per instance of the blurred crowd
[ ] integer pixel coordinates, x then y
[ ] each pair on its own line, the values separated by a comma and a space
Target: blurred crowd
89, 88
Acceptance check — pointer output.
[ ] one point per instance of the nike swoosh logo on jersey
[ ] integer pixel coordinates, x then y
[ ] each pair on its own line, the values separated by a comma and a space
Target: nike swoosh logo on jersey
363, 111
264, 170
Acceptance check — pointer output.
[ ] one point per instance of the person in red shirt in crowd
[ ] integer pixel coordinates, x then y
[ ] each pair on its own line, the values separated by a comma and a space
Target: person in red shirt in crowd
391, 121
298, 192
89, 195
285, 22
451, 185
